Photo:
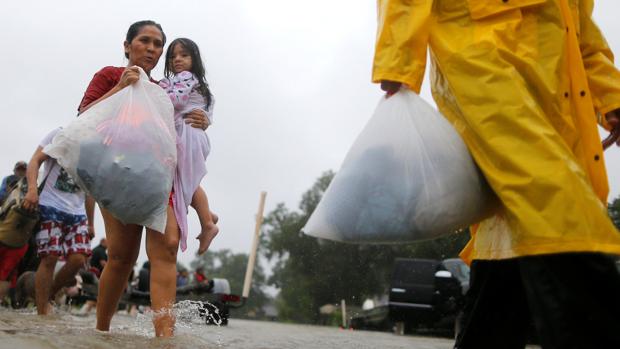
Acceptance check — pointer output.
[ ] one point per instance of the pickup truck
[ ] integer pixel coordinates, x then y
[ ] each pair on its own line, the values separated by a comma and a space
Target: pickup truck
423, 293
428, 293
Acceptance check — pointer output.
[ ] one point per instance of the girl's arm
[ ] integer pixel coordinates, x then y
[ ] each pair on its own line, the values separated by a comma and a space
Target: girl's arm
180, 88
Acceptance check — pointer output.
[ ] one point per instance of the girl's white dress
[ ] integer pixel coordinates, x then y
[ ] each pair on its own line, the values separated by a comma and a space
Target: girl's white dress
193, 144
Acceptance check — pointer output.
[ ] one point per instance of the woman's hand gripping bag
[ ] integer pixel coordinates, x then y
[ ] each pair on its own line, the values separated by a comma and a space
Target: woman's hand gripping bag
407, 177
122, 152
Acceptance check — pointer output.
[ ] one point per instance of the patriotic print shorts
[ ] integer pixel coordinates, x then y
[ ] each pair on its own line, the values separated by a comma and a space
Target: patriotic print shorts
61, 233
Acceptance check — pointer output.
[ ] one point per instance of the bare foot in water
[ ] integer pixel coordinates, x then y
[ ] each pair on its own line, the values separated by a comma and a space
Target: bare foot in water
49, 309
205, 237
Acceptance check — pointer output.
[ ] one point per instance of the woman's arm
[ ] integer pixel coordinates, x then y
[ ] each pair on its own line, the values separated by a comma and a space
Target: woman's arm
197, 118
129, 76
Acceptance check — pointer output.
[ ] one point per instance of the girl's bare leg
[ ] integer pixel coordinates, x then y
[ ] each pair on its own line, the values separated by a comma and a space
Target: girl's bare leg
162, 252
207, 220
123, 249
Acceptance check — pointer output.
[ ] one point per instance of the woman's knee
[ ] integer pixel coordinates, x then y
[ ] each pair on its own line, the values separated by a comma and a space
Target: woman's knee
164, 249
121, 260
123, 243
166, 252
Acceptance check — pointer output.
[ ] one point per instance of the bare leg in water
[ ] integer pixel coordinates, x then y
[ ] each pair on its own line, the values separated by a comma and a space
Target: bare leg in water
43, 279
46, 285
66, 275
123, 249
208, 220
162, 252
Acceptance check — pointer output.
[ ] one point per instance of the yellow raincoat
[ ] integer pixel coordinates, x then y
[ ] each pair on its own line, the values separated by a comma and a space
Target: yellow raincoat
524, 82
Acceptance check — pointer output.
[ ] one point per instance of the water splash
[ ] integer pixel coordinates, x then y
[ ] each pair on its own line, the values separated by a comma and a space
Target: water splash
66, 329
190, 312
191, 318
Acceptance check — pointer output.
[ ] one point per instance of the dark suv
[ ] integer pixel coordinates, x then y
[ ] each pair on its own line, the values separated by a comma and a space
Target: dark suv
426, 292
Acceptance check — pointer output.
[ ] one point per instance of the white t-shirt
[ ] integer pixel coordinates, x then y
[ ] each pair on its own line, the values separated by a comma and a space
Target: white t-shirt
60, 191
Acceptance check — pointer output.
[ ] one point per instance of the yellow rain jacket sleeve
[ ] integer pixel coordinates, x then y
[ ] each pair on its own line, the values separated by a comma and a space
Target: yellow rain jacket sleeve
603, 77
522, 81
402, 25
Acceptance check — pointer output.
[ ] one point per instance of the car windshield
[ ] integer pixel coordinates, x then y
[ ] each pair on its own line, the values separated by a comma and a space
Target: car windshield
414, 272
458, 268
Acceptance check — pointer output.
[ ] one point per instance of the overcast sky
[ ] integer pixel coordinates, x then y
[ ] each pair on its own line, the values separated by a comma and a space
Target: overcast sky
291, 80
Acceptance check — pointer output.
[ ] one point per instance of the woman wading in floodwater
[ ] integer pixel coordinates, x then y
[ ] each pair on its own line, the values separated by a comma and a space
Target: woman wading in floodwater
143, 46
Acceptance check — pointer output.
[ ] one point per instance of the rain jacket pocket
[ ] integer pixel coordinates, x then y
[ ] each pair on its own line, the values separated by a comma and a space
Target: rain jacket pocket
480, 9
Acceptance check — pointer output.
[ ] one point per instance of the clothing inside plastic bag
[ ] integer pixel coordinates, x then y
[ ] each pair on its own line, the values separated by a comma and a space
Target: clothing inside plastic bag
134, 174
407, 177
122, 152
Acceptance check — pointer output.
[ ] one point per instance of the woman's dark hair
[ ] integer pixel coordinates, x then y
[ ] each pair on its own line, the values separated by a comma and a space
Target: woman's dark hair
134, 29
198, 68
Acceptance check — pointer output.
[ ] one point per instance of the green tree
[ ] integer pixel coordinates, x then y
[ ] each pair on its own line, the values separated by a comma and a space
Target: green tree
312, 272
232, 266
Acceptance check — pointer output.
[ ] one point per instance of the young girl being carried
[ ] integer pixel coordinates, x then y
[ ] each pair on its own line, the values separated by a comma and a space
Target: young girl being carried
187, 88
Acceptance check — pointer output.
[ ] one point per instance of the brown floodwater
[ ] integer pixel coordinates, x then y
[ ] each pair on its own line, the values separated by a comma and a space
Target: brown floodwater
24, 329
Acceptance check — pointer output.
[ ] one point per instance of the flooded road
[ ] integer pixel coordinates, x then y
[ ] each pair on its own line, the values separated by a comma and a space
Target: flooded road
64, 330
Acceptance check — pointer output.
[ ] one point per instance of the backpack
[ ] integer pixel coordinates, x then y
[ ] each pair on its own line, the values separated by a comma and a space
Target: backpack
17, 223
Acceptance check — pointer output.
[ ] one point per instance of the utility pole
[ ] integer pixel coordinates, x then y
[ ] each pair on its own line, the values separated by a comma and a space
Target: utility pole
252, 260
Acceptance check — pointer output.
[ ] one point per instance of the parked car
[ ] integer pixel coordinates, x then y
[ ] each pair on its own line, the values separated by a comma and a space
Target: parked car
428, 293
423, 293
214, 298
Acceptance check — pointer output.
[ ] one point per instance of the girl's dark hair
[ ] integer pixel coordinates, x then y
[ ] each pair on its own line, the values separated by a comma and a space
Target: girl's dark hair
198, 68
134, 29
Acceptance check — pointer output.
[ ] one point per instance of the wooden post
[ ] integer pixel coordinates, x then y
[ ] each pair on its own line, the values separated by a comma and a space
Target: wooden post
252, 260
343, 304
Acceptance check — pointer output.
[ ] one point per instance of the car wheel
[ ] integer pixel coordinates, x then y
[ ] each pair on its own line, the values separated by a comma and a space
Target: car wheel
458, 324
399, 328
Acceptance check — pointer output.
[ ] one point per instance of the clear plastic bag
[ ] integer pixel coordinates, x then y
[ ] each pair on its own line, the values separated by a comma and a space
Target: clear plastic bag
407, 177
122, 152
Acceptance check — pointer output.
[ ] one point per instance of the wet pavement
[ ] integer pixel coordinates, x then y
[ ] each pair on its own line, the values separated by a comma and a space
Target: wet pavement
64, 330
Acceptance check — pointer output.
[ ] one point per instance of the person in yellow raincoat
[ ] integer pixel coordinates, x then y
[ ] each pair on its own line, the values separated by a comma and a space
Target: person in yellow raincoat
525, 83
